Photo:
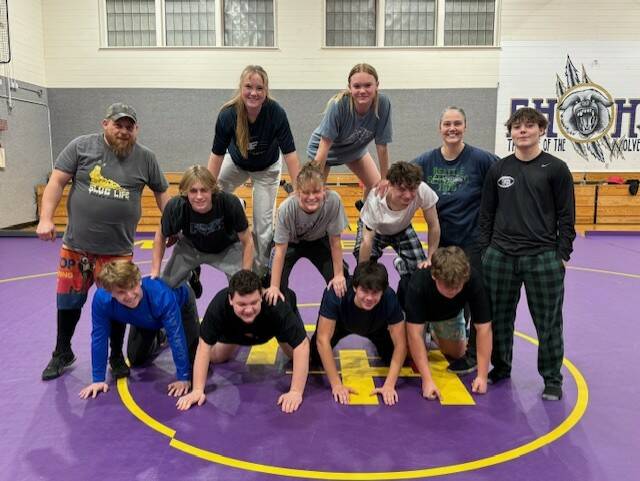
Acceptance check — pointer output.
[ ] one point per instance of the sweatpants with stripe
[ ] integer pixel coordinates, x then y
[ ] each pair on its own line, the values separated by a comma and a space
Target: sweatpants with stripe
543, 279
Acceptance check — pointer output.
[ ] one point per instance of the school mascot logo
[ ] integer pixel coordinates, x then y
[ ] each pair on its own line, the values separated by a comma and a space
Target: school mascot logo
585, 115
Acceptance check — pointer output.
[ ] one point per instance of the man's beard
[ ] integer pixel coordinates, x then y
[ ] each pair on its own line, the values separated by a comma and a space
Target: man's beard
122, 148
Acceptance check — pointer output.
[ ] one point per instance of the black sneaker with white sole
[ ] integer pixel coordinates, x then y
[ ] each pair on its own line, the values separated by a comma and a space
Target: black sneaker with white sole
58, 363
552, 393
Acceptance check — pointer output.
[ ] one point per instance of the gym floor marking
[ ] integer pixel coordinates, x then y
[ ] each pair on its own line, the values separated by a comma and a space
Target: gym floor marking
45, 431
582, 269
358, 373
564, 427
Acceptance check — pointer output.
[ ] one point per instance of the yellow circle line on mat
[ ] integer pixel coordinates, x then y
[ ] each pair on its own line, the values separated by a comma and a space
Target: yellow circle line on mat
563, 428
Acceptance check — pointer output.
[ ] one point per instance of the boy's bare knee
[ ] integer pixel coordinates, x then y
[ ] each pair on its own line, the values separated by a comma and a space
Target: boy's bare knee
454, 350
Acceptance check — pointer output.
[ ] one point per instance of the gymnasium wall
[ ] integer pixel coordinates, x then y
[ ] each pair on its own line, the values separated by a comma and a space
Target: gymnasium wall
27, 138
569, 20
27, 45
177, 91
74, 57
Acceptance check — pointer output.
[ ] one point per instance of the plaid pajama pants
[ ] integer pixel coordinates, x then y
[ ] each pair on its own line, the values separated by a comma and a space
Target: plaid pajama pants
543, 278
406, 244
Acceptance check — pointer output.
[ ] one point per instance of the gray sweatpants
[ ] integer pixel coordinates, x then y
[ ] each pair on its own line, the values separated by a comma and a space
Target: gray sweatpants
185, 257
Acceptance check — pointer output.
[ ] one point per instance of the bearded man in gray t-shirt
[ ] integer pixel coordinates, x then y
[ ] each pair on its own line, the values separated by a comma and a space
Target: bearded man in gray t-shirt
108, 171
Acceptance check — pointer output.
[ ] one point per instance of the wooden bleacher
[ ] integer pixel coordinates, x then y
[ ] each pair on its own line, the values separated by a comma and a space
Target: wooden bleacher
599, 206
346, 185
605, 207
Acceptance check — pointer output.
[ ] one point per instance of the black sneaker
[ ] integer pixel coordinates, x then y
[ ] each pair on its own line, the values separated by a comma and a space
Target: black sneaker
552, 393
194, 282
58, 363
359, 204
464, 365
119, 367
496, 376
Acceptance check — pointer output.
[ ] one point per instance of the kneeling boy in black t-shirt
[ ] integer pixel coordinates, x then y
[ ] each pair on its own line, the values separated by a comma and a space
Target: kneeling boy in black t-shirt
437, 296
370, 309
238, 316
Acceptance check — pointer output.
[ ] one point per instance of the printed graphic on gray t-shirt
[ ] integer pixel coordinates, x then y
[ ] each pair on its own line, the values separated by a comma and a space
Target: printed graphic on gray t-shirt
295, 225
104, 200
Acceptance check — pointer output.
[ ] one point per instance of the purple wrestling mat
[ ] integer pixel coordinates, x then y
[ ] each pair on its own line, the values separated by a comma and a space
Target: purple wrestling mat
134, 432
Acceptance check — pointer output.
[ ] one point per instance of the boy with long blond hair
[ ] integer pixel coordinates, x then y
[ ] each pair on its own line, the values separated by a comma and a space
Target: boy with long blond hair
212, 229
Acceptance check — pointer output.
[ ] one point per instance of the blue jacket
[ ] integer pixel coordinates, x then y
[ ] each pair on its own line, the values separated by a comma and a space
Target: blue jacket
159, 308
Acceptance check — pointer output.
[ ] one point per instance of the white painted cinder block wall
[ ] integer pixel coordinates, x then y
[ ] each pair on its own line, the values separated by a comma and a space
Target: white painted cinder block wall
56, 43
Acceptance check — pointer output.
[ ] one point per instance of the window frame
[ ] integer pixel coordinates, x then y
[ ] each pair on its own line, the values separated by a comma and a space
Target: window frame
161, 33
439, 30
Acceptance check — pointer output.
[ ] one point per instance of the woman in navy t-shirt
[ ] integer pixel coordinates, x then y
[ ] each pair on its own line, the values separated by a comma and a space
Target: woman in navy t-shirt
251, 131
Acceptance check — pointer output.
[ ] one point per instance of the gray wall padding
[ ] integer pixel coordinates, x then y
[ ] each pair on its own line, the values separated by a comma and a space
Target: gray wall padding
178, 124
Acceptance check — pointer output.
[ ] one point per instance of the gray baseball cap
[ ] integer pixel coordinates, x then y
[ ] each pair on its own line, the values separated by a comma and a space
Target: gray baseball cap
119, 110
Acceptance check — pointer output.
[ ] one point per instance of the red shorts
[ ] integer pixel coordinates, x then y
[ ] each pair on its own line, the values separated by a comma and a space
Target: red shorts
77, 272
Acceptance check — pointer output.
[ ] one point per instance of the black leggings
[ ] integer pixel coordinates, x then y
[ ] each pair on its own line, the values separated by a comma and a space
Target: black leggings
67, 322
318, 252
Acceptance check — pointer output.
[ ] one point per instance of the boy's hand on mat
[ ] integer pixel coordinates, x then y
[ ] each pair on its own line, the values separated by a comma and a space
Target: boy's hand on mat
290, 401
271, 295
186, 401
341, 393
430, 391
389, 395
479, 385
178, 388
339, 284
92, 390
46, 230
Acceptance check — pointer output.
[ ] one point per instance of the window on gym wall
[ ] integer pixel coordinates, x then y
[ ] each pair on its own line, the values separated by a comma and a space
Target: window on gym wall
469, 22
248, 23
188, 23
410, 23
351, 23
131, 23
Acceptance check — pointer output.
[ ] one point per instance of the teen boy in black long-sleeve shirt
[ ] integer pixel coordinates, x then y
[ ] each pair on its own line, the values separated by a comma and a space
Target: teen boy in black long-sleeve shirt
527, 219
